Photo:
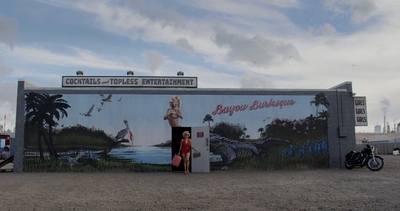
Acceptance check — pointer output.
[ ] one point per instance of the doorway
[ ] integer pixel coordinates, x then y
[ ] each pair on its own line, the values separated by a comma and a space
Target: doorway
200, 137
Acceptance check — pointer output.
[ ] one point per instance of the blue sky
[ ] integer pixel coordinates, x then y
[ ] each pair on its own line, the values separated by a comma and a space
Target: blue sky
226, 44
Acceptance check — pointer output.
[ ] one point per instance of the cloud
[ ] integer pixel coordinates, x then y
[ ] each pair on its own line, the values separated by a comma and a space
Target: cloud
4, 70
254, 80
154, 60
361, 11
326, 32
183, 43
334, 6
145, 20
258, 49
385, 105
72, 56
164, 16
251, 8
8, 31
328, 29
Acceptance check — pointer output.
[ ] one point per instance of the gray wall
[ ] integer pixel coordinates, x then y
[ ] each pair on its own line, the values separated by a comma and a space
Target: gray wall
341, 123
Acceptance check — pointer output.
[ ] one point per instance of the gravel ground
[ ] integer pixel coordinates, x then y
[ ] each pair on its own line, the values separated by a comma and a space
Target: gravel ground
327, 189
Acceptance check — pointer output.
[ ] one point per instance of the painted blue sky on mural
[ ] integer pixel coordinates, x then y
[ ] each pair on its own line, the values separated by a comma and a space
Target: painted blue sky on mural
145, 112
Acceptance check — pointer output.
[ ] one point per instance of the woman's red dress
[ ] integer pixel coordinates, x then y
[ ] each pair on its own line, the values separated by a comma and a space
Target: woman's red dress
186, 146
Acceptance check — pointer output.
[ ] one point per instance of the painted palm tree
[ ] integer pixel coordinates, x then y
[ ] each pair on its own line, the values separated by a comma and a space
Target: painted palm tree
56, 109
261, 131
42, 110
208, 118
323, 114
35, 114
244, 132
319, 99
310, 119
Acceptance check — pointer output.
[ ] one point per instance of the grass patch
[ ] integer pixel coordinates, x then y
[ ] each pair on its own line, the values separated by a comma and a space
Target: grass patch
90, 165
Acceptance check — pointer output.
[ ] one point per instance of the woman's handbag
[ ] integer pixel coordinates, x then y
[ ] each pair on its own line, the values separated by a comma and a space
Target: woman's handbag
176, 160
196, 154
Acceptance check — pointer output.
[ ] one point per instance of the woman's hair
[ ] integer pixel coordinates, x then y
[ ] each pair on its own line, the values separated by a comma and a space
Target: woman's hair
175, 98
186, 132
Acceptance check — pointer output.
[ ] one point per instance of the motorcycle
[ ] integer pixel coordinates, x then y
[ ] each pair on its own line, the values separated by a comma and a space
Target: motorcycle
364, 158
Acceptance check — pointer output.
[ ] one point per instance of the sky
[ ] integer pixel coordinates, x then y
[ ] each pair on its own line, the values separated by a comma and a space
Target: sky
274, 44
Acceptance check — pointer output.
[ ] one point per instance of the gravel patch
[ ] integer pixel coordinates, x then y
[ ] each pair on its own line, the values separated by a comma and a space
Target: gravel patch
319, 189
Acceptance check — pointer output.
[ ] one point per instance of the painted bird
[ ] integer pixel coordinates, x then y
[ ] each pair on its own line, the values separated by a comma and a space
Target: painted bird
89, 113
101, 107
70, 161
106, 99
120, 138
121, 134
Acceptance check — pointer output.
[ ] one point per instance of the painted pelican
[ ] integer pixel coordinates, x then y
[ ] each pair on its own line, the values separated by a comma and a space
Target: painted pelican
120, 138
121, 134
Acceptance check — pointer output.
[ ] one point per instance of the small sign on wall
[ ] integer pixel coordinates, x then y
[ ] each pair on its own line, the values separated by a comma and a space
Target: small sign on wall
360, 109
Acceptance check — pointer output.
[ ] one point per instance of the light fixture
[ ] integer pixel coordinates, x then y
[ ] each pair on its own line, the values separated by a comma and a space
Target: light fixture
79, 72
180, 73
130, 72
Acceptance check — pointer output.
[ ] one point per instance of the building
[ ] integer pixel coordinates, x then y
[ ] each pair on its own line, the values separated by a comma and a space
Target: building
115, 119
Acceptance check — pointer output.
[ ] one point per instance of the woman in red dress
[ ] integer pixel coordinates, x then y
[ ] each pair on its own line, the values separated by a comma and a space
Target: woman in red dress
184, 149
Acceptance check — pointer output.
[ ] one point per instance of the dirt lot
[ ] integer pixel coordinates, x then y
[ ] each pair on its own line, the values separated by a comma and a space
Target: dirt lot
328, 189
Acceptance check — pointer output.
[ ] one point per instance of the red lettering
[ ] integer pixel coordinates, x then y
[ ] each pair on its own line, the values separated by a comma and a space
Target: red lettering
254, 106
228, 109
272, 103
218, 110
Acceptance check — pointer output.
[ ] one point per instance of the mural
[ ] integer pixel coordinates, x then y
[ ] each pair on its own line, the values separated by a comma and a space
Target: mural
132, 132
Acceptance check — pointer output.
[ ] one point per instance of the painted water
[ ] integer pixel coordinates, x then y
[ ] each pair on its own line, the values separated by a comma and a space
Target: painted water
151, 155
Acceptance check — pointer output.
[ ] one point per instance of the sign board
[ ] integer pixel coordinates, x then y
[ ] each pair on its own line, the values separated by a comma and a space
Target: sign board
129, 81
360, 110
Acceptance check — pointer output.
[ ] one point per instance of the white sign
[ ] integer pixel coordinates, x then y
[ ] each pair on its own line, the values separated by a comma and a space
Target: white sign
129, 81
360, 109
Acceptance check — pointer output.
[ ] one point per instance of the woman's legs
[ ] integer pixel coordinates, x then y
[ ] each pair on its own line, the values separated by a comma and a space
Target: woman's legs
186, 162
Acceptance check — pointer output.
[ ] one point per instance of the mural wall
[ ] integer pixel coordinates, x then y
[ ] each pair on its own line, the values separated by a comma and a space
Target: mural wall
132, 132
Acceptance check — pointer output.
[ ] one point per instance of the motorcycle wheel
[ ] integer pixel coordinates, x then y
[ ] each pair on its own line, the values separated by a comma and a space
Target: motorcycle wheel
377, 165
348, 165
